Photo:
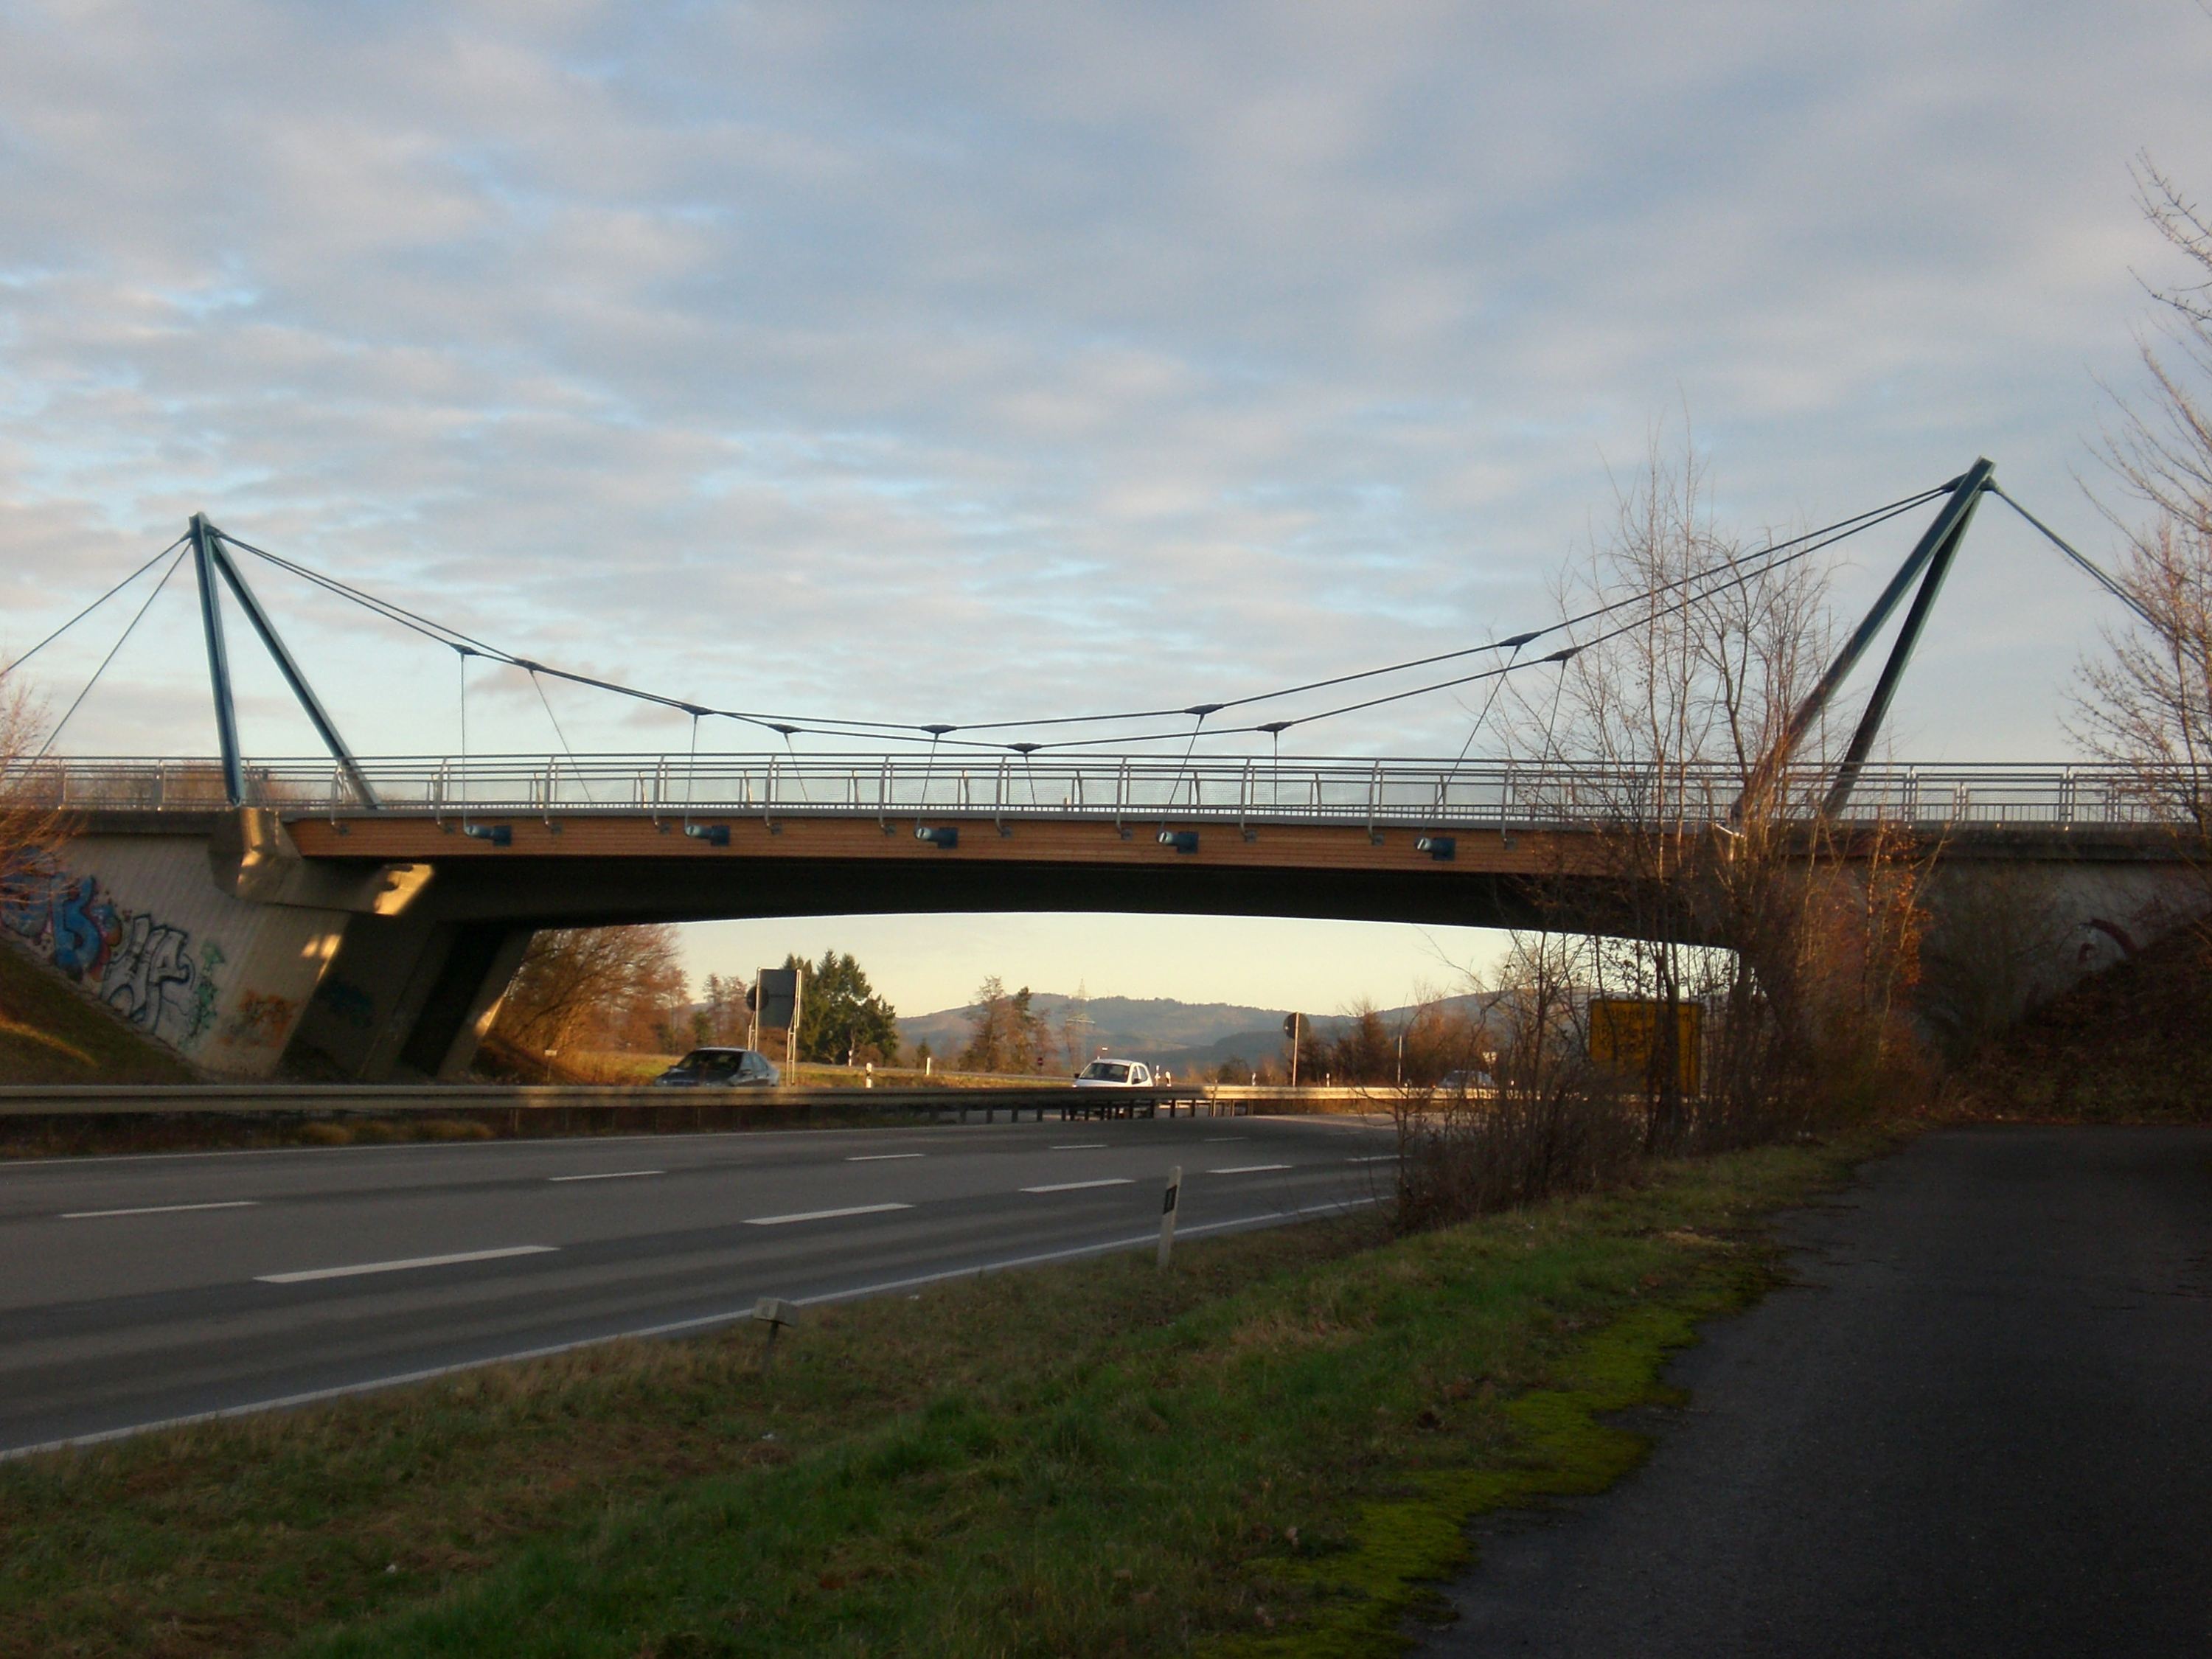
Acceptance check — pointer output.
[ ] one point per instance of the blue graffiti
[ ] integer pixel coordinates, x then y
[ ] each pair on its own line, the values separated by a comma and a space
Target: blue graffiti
70, 921
141, 967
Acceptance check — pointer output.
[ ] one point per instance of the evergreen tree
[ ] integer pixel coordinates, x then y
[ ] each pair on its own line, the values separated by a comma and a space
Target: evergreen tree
841, 1017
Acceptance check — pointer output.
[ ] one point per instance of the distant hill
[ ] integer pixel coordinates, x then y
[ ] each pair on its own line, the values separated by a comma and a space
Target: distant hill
1142, 1026
1185, 1035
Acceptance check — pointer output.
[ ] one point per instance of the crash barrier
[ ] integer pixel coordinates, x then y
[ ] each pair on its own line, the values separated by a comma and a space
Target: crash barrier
522, 1109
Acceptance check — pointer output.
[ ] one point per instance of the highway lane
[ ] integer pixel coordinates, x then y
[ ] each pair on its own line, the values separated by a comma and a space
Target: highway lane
141, 1289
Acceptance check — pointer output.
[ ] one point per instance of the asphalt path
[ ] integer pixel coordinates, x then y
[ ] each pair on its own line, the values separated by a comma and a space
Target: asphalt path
141, 1289
1982, 1426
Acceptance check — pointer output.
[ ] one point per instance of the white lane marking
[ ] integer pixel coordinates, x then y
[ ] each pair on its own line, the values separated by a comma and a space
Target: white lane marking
1246, 1168
161, 1209
1143, 1241
1080, 1146
609, 1174
305, 1274
1079, 1186
1380, 1158
881, 1157
822, 1215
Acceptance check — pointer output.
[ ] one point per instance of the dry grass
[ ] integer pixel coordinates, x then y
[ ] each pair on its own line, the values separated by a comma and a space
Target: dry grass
52, 1032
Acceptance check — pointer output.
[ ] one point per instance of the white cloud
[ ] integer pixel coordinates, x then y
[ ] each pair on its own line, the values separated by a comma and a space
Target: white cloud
937, 362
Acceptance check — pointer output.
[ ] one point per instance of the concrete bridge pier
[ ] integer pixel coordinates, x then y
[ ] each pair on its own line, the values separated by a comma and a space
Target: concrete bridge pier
406, 997
209, 933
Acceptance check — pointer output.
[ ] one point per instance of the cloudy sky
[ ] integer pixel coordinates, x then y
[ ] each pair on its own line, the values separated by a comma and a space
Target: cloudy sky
936, 363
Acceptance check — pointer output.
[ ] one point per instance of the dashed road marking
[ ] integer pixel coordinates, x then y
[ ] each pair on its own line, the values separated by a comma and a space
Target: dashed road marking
822, 1215
1078, 1186
881, 1157
611, 1175
302, 1277
1246, 1168
161, 1209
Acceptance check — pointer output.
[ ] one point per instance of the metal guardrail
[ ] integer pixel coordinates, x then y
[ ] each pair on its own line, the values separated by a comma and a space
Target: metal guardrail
1398, 793
293, 1100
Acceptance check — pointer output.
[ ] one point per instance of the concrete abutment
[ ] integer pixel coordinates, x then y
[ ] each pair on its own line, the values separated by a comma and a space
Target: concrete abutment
215, 939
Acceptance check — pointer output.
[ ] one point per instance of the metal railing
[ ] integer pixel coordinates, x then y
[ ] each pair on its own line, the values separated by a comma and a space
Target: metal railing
1394, 792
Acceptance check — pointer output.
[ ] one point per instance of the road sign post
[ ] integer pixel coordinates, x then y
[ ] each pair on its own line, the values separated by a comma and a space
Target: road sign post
1168, 1204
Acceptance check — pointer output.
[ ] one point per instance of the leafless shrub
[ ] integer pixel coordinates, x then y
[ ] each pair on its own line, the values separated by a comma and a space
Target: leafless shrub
1771, 951
30, 829
2146, 703
1539, 1121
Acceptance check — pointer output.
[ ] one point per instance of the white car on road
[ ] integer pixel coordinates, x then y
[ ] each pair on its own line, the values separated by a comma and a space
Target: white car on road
1116, 1074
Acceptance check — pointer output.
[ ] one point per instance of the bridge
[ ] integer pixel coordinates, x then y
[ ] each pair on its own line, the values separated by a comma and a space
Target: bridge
362, 917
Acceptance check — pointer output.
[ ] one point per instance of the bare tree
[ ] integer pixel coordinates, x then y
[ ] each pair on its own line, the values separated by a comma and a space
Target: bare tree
580, 988
2147, 702
1716, 885
30, 829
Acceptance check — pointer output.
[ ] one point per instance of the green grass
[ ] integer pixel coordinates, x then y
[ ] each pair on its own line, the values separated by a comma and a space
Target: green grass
1269, 1450
52, 1033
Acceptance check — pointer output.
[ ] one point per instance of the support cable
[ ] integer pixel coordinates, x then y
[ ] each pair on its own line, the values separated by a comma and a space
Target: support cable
1835, 532
464, 653
575, 765
1747, 572
112, 650
1771, 556
1474, 731
94, 606
2096, 572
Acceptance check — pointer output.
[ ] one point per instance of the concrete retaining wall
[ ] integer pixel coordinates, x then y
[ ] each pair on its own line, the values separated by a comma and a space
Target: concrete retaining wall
139, 921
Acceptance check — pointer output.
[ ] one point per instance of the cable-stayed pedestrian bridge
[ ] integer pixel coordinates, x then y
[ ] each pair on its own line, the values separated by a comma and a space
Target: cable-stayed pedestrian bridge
362, 916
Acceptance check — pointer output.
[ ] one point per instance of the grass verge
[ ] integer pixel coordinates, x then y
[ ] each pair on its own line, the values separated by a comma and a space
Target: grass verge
52, 1032
1267, 1451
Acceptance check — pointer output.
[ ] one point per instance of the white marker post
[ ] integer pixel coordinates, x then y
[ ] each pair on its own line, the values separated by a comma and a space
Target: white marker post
1168, 1207
775, 1313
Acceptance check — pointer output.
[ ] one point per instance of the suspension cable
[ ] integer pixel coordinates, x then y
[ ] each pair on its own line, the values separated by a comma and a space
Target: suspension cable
2096, 572
93, 606
1694, 588
128, 631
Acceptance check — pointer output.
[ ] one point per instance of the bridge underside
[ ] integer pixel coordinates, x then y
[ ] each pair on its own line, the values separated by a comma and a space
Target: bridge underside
608, 869
375, 946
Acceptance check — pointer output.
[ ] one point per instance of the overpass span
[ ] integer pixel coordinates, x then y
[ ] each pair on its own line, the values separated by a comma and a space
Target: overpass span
365, 915
373, 942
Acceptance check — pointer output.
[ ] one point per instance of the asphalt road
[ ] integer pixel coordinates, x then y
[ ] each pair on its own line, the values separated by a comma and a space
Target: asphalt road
1983, 1427
139, 1290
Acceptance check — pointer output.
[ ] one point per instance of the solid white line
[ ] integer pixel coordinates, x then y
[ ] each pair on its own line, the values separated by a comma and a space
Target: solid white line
881, 1157
822, 1215
611, 1175
856, 1293
1246, 1168
305, 1275
1080, 1146
161, 1209
1380, 1158
1078, 1186
1215, 1140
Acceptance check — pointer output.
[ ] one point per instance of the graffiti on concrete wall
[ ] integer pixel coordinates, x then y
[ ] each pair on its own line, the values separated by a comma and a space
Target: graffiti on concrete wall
259, 1021
347, 1002
142, 966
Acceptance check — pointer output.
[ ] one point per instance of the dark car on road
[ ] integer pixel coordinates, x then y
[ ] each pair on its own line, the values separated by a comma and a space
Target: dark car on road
721, 1068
